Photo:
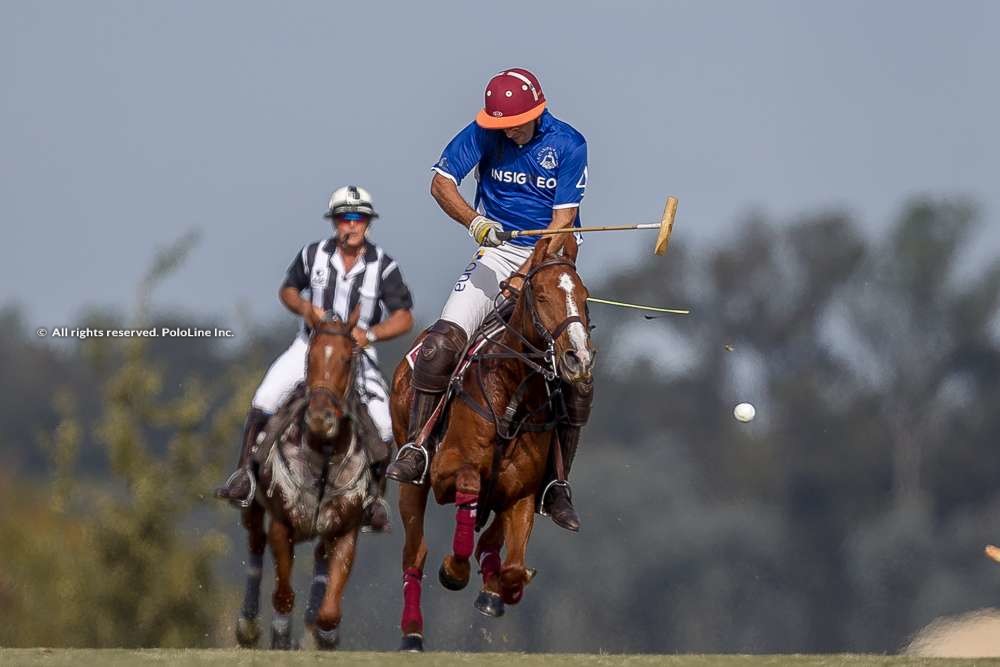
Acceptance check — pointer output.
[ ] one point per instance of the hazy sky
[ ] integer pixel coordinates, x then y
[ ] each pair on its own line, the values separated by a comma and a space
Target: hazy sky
125, 124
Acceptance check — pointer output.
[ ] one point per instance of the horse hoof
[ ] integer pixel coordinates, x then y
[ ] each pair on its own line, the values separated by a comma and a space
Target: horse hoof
247, 632
327, 640
281, 638
413, 643
489, 604
450, 583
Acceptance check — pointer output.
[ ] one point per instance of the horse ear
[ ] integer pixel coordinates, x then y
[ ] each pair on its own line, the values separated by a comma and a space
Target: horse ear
570, 247
352, 321
541, 250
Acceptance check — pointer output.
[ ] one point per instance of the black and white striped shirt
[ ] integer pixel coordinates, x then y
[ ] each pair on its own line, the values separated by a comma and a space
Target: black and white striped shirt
374, 282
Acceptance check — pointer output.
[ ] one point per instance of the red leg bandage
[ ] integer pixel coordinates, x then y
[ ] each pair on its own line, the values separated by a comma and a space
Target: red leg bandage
465, 525
489, 564
413, 620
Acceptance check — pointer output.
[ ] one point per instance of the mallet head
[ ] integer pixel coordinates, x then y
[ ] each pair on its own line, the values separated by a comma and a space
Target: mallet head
666, 226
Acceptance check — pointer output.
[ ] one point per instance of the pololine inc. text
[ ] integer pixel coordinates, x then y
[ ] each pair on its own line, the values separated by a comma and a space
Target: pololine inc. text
150, 332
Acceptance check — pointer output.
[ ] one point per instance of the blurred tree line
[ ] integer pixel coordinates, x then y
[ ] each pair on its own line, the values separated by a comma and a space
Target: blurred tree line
849, 514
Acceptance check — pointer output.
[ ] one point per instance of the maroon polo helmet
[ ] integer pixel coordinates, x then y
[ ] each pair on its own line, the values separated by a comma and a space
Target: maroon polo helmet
513, 97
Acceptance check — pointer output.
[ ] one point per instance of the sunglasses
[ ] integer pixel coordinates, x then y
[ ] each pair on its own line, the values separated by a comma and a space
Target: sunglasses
352, 217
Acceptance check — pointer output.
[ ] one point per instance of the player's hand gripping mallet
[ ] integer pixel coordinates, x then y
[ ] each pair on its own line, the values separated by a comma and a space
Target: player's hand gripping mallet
665, 226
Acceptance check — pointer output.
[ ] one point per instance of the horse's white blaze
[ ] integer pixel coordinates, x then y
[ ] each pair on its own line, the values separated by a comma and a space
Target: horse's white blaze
576, 331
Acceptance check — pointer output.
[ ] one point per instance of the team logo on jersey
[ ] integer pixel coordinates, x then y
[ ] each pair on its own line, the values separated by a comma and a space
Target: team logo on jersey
319, 277
548, 158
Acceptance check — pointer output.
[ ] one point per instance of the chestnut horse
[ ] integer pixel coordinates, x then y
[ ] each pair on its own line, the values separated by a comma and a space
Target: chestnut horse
314, 482
495, 440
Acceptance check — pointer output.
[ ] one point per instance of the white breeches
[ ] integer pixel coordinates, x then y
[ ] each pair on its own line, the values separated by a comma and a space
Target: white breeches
290, 368
472, 297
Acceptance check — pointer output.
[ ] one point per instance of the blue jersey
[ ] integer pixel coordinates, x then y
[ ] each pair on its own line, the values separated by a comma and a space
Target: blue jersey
519, 186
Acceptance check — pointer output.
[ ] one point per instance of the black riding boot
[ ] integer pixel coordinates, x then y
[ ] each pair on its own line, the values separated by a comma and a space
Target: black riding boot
376, 516
240, 486
412, 461
558, 501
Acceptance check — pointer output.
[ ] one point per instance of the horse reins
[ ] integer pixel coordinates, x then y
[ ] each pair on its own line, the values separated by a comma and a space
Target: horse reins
547, 356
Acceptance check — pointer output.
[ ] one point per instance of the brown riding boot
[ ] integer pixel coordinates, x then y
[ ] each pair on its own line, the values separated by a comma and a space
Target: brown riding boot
412, 462
557, 501
439, 355
241, 485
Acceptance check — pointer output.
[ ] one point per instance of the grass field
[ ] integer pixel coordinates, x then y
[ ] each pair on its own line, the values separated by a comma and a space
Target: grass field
169, 658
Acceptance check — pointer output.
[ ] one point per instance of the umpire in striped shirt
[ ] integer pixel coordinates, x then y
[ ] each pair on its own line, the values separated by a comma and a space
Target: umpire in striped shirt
336, 274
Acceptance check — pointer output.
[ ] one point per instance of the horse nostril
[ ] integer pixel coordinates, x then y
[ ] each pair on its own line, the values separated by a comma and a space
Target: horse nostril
572, 361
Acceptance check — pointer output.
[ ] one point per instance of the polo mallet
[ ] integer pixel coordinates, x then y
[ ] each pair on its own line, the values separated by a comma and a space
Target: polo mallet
665, 226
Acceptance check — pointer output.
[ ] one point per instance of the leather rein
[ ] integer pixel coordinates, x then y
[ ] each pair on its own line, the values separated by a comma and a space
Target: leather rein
539, 361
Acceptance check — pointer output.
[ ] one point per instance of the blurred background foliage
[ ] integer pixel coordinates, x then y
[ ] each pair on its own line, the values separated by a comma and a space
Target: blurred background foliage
849, 514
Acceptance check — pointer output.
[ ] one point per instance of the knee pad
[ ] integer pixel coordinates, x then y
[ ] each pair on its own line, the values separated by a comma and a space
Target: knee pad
578, 398
439, 354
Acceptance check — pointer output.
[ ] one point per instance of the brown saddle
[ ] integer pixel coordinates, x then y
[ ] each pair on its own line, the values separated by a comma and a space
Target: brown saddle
485, 344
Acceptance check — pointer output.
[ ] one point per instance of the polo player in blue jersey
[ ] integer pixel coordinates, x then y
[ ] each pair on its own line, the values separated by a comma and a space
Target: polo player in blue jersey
532, 174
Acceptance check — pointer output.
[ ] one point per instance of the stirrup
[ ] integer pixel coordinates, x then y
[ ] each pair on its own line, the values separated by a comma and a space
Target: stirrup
427, 459
545, 491
245, 502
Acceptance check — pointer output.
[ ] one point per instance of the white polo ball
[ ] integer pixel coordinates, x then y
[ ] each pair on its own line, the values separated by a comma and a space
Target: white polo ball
744, 412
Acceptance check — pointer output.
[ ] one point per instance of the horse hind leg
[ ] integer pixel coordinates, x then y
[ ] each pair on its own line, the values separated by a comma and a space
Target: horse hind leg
455, 569
489, 602
247, 627
283, 599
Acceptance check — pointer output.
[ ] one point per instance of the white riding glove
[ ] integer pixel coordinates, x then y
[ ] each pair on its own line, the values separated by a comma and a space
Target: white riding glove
486, 232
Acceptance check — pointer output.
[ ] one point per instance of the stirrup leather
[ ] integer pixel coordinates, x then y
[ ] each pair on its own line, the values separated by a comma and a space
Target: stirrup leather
545, 492
245, 502
427, 459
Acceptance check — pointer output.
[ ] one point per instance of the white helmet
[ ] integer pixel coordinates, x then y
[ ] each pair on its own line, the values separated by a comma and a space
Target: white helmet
350, 199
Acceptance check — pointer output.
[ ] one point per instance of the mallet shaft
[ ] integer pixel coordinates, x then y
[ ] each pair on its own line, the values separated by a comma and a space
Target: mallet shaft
569, 230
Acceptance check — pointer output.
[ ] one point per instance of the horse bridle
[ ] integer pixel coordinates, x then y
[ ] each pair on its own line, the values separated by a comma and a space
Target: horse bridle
548, 355
342, 403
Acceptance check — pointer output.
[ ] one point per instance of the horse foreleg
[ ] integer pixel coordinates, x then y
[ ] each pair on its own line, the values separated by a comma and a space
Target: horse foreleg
283, 550
247, 628
412, 505
517, 523
454, 573
488, 556
317, 589
340, 552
